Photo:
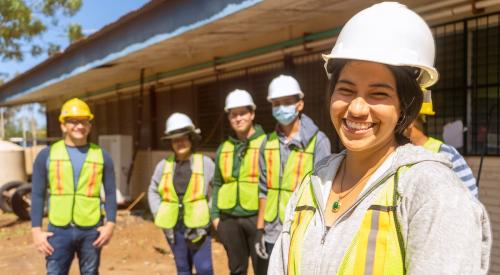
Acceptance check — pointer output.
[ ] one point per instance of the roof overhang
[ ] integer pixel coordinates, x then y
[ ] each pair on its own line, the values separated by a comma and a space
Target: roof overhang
169, 38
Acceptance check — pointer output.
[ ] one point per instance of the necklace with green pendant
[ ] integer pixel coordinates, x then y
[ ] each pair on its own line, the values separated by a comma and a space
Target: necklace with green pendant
337, 203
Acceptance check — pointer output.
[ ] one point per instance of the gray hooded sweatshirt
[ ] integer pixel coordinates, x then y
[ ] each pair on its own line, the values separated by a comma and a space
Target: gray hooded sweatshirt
444, 228
306, 133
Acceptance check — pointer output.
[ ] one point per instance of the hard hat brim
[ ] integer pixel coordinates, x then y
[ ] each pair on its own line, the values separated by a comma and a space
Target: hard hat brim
299, 94
182, 132
226, 109
428, 76
64, 117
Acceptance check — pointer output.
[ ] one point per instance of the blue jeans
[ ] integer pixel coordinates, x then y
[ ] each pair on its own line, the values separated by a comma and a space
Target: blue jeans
186, 256
69, 240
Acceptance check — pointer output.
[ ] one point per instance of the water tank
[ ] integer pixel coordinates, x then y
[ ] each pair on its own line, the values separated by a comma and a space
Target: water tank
12, 162
120, 148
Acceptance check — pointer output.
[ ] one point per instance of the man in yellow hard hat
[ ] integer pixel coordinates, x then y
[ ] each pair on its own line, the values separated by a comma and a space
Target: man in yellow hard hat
417, 136
73, 170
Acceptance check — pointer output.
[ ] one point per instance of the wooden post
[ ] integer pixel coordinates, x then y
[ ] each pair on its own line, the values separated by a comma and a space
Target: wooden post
2, 125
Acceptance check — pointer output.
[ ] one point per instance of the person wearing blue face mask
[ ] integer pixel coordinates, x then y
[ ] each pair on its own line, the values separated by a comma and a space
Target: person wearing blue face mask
287, 155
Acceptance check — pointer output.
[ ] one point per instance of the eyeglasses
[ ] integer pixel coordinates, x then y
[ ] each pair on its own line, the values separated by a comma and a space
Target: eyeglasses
75, 122
233, 115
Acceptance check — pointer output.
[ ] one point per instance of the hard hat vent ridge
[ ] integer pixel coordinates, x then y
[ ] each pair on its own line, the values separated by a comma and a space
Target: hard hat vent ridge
239, 98
179, 124
284, 85
75, 107
391, 34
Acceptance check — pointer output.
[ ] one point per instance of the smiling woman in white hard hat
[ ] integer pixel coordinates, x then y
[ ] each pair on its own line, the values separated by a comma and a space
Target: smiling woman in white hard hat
178, 197
382, 206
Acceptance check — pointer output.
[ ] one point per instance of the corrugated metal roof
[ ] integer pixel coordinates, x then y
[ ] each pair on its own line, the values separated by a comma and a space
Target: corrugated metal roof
155, 22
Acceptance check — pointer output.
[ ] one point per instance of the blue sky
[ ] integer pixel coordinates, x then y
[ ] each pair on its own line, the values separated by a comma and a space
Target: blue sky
93, 15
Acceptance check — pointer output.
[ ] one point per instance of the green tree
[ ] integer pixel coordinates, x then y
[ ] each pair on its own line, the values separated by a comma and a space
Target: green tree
21, 118
74, 32
23, 20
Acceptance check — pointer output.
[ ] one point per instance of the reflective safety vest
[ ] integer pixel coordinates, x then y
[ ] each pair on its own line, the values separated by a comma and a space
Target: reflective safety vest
245, 188
433, 145
83, 205
194, 202
377, 247
280, 187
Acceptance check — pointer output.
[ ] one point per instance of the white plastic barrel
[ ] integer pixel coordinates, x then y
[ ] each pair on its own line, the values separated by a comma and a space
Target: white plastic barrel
12, 165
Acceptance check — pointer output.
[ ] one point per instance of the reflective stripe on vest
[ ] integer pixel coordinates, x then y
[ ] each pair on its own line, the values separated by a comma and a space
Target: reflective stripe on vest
304, 212
298, 164
194, 202
82, 207
245, 189
433, 145
377, 247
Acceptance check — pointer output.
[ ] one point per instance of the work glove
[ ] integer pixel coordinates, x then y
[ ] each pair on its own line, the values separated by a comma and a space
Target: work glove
169, 233
195, 235
260, 245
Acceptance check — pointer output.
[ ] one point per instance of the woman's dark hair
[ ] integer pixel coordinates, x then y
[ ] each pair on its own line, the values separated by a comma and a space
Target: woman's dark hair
409, 93
195, 140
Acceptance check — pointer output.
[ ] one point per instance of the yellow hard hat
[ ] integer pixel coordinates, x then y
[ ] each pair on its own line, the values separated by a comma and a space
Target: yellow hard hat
426, 108
75, 107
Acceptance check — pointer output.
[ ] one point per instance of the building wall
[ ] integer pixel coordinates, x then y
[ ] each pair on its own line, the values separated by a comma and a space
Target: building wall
203, 100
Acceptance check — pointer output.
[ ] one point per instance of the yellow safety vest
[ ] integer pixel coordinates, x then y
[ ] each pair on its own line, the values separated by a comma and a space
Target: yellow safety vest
194, 202
377, 248
433, 145
245, 188
83, 206
280, 187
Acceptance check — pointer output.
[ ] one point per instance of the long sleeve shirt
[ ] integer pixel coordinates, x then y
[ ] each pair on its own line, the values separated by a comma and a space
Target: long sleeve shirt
77, 156
182, 174
460, 168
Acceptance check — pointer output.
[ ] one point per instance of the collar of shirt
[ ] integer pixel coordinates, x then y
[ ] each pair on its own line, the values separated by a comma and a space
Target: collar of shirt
295, 141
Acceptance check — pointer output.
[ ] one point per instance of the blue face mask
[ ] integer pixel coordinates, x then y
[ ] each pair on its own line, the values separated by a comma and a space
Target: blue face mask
285, 114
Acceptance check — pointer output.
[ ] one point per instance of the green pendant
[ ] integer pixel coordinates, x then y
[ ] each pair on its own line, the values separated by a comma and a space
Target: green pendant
335, 206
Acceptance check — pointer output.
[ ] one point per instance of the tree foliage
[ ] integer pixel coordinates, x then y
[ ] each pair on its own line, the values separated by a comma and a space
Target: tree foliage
23, 20
74, 32
23, 118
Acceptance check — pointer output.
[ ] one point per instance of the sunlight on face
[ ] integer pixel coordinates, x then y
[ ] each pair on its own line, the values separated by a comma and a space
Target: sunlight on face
241, 119
77, 128
181, 146
364, 106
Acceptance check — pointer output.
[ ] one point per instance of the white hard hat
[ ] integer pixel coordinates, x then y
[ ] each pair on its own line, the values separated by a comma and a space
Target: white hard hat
388, 33
179, 124
284, 85
239, 98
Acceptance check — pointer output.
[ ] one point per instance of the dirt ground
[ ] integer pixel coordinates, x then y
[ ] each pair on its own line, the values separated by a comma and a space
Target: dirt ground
137, 247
